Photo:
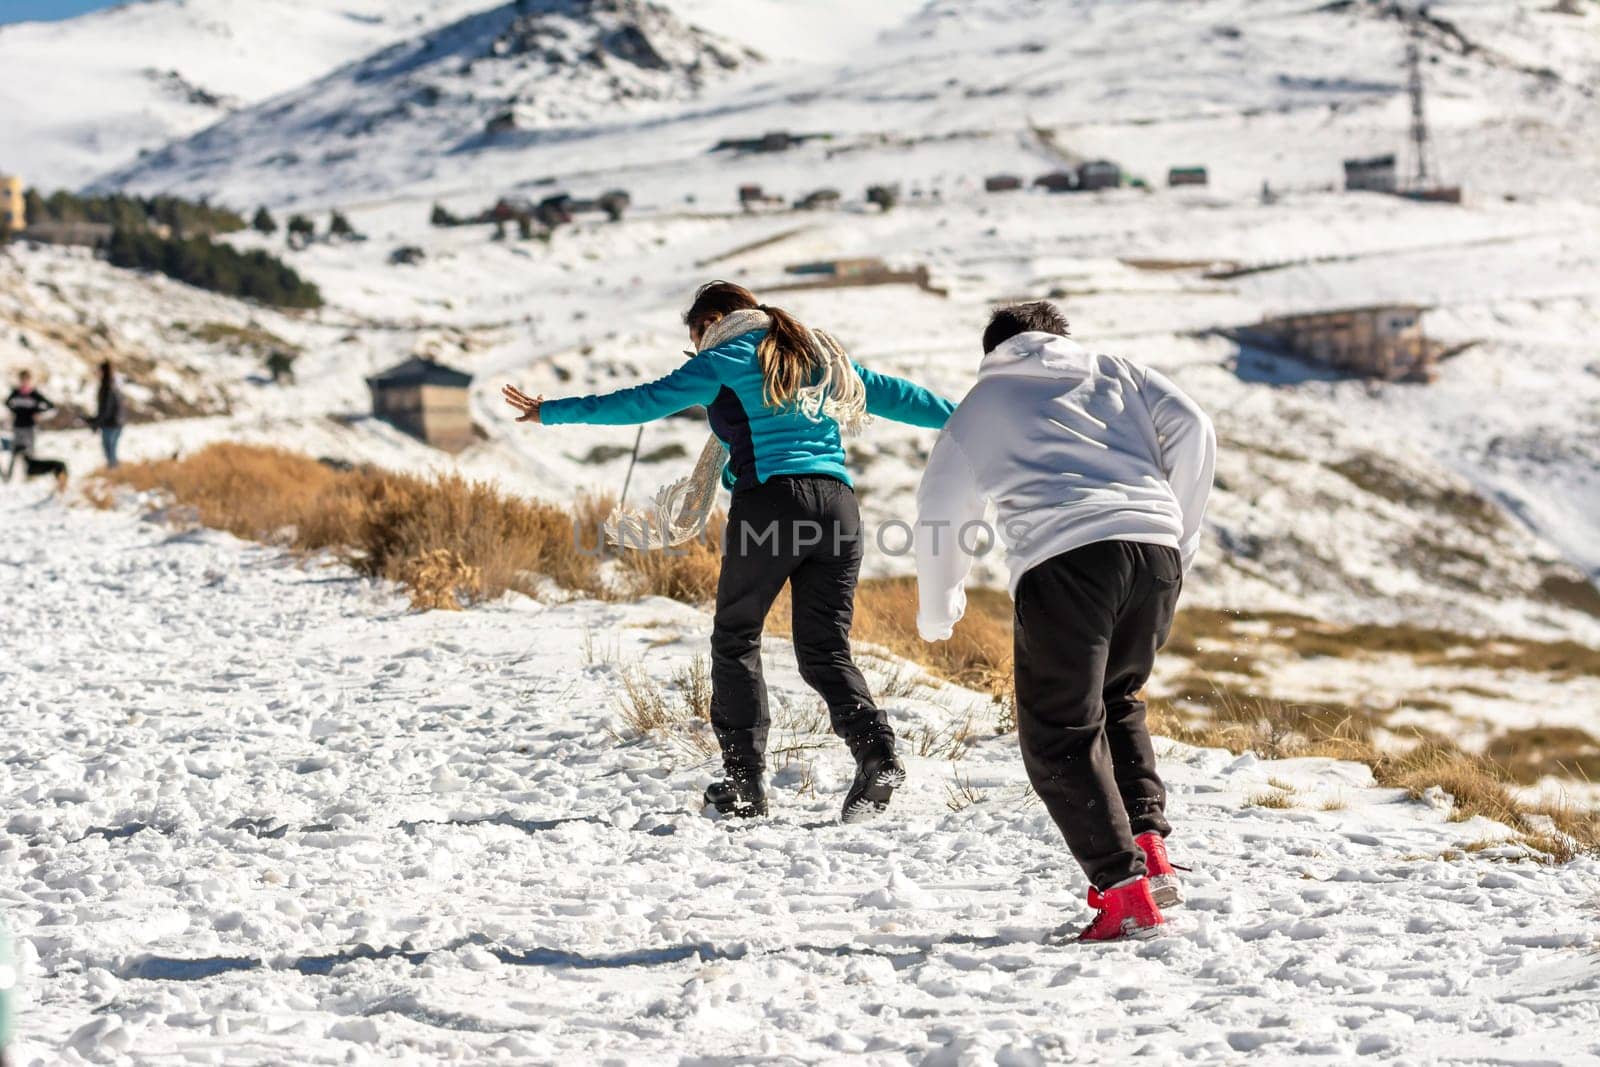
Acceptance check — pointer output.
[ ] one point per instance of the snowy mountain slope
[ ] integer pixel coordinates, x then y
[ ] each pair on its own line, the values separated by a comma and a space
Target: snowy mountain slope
1274, 90
258, 811
522, 71
87, 94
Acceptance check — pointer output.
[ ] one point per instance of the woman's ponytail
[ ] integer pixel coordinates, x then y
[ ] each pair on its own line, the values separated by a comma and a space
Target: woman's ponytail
788, 359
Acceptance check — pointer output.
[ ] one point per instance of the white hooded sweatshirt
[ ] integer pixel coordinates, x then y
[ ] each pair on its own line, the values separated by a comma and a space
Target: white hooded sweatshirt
1072, 448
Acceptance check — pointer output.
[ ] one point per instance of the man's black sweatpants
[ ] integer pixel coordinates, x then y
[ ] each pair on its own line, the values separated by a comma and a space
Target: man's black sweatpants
804, 530
1088, 624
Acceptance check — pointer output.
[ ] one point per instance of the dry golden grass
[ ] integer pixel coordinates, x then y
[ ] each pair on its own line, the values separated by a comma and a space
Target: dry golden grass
680, 718
961, 795
1227, 642
1275, 729
1270, 799
249, 491
1531, 753
448, 539
688, 573
1478, 786
977, 656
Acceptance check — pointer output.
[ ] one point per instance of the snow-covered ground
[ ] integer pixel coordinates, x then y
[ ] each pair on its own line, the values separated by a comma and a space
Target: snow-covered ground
256, 810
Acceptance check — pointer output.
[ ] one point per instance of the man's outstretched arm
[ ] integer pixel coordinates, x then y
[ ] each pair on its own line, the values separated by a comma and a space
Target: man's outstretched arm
1188, 454
947, 500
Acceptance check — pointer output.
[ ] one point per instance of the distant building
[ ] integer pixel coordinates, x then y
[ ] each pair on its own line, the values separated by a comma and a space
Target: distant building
511, 208
854, 272
859, 267
1435, 194
504, 122
776, 141
1099, 174
1188, 176
1384, 341
13, 206
821, 198
1002, 183
1374, 175
753, 198
1057, 181
614, 202
427, 400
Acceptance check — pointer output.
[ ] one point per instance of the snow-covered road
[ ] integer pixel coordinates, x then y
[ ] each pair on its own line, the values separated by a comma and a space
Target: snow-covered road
257, 811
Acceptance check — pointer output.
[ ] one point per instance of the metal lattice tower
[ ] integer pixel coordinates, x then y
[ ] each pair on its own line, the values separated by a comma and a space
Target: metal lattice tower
1419, 119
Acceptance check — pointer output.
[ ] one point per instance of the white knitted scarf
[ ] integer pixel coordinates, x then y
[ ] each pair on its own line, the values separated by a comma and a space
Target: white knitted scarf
678, 513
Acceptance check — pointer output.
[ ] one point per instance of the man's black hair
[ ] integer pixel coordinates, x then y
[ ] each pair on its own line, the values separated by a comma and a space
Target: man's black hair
1039, 316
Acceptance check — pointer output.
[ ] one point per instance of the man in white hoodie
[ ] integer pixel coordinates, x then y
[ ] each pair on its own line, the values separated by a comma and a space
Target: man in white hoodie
1099, 470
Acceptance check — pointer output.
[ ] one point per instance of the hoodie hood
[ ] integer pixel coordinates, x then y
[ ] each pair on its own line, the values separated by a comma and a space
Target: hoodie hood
1038, 355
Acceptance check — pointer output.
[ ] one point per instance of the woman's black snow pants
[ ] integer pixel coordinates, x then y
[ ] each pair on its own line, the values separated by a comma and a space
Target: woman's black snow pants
804, 530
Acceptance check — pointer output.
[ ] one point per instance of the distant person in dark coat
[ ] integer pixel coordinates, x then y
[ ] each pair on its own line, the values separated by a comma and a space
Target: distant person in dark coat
26, 404
109, 413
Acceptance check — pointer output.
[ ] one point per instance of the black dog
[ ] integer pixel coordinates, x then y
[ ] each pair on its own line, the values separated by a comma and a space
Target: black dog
39, 468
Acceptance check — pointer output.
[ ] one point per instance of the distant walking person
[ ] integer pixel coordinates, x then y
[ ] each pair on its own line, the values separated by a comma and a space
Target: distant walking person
1099, 469
26, 404
780, 397
109, 414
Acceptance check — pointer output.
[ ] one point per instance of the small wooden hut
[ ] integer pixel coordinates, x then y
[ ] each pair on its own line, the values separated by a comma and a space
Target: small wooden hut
427, 400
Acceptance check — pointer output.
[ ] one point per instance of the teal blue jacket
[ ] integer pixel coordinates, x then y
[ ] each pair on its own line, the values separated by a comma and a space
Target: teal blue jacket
762, 441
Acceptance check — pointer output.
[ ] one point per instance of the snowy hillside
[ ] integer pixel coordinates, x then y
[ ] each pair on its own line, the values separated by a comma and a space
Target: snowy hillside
1265, 89
523, 72
87, 94
258, 812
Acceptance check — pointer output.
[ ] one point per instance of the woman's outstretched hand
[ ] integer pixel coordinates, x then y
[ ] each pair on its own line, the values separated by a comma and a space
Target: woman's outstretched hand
527, 405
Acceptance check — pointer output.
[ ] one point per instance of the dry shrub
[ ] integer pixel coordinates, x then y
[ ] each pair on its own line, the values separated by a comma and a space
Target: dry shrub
687, 573
1479, 786
978, 655
509, 542
646, 708
438, 580
448, 539
250, 491
680, 719
1275, 729
961, 795
1531, 753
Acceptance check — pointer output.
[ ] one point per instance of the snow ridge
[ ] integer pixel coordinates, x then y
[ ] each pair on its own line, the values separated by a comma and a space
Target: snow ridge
513, 75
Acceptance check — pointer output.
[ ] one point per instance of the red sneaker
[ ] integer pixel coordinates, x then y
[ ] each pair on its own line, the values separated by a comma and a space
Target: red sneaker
1127, 911
1164, 885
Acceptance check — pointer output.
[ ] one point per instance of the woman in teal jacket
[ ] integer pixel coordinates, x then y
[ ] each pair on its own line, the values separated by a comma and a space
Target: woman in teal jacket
780, 397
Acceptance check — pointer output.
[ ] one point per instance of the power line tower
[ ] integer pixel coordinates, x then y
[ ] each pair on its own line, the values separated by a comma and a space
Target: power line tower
1420, 148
